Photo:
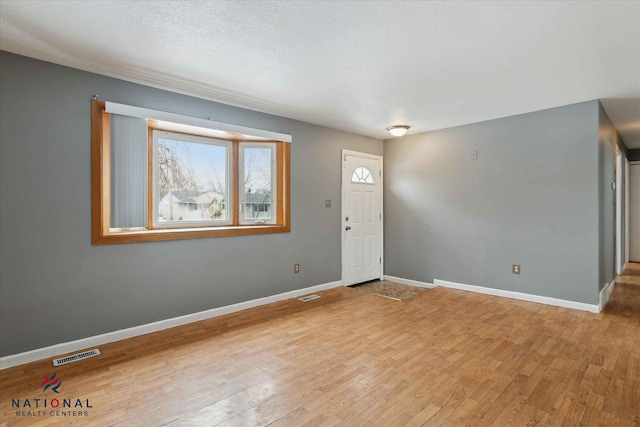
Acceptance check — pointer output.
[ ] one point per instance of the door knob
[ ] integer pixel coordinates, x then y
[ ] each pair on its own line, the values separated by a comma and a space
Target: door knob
348, 228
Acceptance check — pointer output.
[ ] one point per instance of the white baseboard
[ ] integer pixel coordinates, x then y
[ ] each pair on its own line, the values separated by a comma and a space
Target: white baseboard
605, 293
593, 308
409, 282
68, 347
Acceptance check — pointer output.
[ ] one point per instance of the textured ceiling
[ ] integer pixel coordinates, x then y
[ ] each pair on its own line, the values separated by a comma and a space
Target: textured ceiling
355, 66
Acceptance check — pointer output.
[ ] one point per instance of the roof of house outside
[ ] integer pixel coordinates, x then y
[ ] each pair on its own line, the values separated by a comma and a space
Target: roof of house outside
262, 198
186, 197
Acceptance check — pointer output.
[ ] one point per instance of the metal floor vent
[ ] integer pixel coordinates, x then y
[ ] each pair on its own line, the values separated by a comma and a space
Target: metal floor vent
309, 298
75, 357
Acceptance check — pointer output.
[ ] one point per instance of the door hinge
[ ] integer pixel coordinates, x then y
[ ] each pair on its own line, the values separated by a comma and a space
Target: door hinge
380, 217
380, 260
380, 173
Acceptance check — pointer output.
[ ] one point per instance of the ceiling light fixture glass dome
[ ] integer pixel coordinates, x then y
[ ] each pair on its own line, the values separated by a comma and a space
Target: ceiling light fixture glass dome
398, 130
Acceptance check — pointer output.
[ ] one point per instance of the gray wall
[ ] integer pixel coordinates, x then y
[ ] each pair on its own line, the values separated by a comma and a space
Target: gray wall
56, 287
531, 198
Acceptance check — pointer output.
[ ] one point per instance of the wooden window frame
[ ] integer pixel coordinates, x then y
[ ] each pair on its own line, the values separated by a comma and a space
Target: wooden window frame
102, 234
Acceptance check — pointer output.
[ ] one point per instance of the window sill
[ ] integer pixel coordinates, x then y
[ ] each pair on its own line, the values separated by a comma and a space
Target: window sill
158, 235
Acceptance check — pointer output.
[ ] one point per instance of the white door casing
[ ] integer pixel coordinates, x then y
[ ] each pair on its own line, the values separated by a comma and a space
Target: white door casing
626, 211
362, 226
634, 212
619, 214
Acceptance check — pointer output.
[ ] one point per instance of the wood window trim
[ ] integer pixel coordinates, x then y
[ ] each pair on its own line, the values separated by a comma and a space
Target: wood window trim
102, 234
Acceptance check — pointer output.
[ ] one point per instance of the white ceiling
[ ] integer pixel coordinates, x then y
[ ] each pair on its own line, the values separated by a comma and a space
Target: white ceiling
355, 66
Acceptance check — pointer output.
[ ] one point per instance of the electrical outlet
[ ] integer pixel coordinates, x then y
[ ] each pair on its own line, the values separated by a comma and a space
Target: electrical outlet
296, 268
327, 203
474, 155
515, 269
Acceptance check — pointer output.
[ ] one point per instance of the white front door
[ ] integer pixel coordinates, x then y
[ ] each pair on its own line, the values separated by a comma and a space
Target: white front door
634, 213
361, 217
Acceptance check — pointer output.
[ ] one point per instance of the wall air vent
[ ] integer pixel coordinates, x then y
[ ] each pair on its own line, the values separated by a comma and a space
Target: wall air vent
75, 357
308, 298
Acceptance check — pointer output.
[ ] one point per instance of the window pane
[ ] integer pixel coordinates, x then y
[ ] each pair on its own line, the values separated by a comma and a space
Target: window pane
190, 180
258, 184
362, 175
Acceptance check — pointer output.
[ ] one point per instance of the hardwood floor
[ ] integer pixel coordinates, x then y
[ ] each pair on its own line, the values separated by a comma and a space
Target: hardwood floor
444, 357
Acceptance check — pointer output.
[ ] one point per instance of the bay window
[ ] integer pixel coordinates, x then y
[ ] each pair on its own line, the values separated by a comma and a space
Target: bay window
159, 176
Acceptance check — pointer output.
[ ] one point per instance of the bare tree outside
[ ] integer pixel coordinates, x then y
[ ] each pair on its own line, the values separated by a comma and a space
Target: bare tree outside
216, 183
177, 175
257, 169
173, 172
257, 182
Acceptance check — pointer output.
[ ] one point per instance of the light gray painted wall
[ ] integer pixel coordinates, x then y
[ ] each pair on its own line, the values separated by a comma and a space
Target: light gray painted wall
531, 198
55, 287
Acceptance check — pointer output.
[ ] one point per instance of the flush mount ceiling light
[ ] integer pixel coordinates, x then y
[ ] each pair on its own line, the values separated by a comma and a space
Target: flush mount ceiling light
398, 130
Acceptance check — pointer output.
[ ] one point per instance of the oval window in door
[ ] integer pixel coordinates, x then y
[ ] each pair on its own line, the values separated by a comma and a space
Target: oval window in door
362, 175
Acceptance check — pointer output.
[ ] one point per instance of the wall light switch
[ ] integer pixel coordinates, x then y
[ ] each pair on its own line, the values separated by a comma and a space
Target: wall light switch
515, 269
327, 203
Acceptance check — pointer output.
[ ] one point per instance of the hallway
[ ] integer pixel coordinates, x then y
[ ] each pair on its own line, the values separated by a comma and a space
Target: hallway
625, 298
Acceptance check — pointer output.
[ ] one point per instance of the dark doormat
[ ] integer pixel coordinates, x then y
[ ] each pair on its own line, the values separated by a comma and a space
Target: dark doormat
396, 291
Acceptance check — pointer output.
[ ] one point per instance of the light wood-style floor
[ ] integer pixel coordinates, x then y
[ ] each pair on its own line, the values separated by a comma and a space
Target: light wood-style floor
442, 358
